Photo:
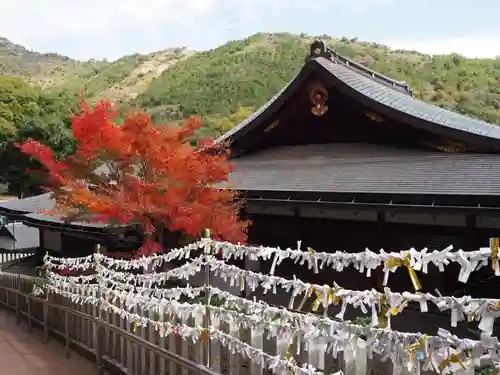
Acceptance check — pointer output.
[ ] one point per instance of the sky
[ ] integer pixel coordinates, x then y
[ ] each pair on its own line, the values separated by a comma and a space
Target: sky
112, 28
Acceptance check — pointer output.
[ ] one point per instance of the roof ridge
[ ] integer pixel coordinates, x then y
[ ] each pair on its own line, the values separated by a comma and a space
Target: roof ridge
319, 49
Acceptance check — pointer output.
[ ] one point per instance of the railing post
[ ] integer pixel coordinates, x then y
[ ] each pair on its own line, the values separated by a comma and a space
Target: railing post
46, 319
206, 318
2, 287
66, 334
18, 294
18, 306
30, 323
99, 349
98, 327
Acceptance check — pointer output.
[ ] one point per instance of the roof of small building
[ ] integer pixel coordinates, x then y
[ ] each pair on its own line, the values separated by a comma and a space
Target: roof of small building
17, 236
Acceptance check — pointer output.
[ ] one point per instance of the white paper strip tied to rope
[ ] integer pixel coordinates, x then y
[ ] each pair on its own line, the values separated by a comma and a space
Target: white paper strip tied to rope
183, 272
259, 318
83, 263
483, 309
341, 334
165, 328
261, 315
154, 260
369, 301
465, 307
368, 260
149, 301
275, 363
77, 280
338, 335
74, 297
265, 317
71, 286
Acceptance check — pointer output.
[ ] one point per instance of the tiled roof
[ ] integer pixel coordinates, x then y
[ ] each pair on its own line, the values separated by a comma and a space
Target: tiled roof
402, 102
26, 237
57, 219
378, 90
363, 168
30, 204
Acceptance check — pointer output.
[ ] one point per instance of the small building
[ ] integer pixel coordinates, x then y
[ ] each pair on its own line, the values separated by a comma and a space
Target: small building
18, 246
57, 236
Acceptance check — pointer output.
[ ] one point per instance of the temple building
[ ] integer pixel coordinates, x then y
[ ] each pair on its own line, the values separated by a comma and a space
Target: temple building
345, 158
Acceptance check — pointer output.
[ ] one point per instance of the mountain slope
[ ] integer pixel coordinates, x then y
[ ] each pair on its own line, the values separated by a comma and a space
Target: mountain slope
15, 60
118, 80
175, 83
248, 72
151, 67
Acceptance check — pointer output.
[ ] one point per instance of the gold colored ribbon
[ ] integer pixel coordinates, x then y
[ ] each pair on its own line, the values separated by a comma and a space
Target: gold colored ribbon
332, 298
405, 261
454, 358
384, 309
317, 302
494, 245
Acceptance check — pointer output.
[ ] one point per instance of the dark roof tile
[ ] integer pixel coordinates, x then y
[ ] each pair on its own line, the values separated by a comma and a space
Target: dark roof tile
26, 238
30, 204
406, 103
363, 168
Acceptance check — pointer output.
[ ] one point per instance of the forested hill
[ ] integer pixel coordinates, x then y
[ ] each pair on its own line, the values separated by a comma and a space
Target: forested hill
224, 85
248, 72
176, 82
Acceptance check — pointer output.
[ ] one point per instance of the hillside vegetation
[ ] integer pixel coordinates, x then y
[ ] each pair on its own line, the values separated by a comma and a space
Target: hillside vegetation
248, 72
223, 85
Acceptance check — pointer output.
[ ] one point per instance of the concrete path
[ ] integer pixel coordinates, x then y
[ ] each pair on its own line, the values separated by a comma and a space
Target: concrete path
23, 352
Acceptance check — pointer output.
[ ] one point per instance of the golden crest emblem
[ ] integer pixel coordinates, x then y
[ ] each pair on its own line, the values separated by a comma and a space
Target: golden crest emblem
319, 97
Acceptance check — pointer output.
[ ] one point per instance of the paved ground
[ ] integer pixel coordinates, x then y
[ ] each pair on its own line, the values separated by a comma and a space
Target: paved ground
23, 352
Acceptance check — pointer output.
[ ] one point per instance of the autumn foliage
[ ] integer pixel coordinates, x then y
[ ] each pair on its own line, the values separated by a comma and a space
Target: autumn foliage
142, 174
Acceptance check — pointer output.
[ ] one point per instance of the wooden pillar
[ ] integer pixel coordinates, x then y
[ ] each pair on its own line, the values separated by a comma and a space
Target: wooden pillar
471, 233
40, 251
381, 242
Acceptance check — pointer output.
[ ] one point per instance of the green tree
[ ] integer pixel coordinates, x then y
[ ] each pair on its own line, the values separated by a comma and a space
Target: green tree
226, 123
26, 112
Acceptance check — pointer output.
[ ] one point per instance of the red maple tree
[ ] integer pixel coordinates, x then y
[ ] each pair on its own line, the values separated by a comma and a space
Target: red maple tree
142, 174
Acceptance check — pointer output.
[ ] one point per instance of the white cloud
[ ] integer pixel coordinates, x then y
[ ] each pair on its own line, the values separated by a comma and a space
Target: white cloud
353, 5
471, 46
78, 27
112, 28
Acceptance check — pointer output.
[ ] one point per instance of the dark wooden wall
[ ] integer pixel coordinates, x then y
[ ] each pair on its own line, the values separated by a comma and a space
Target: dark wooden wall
77, 246
354, 236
